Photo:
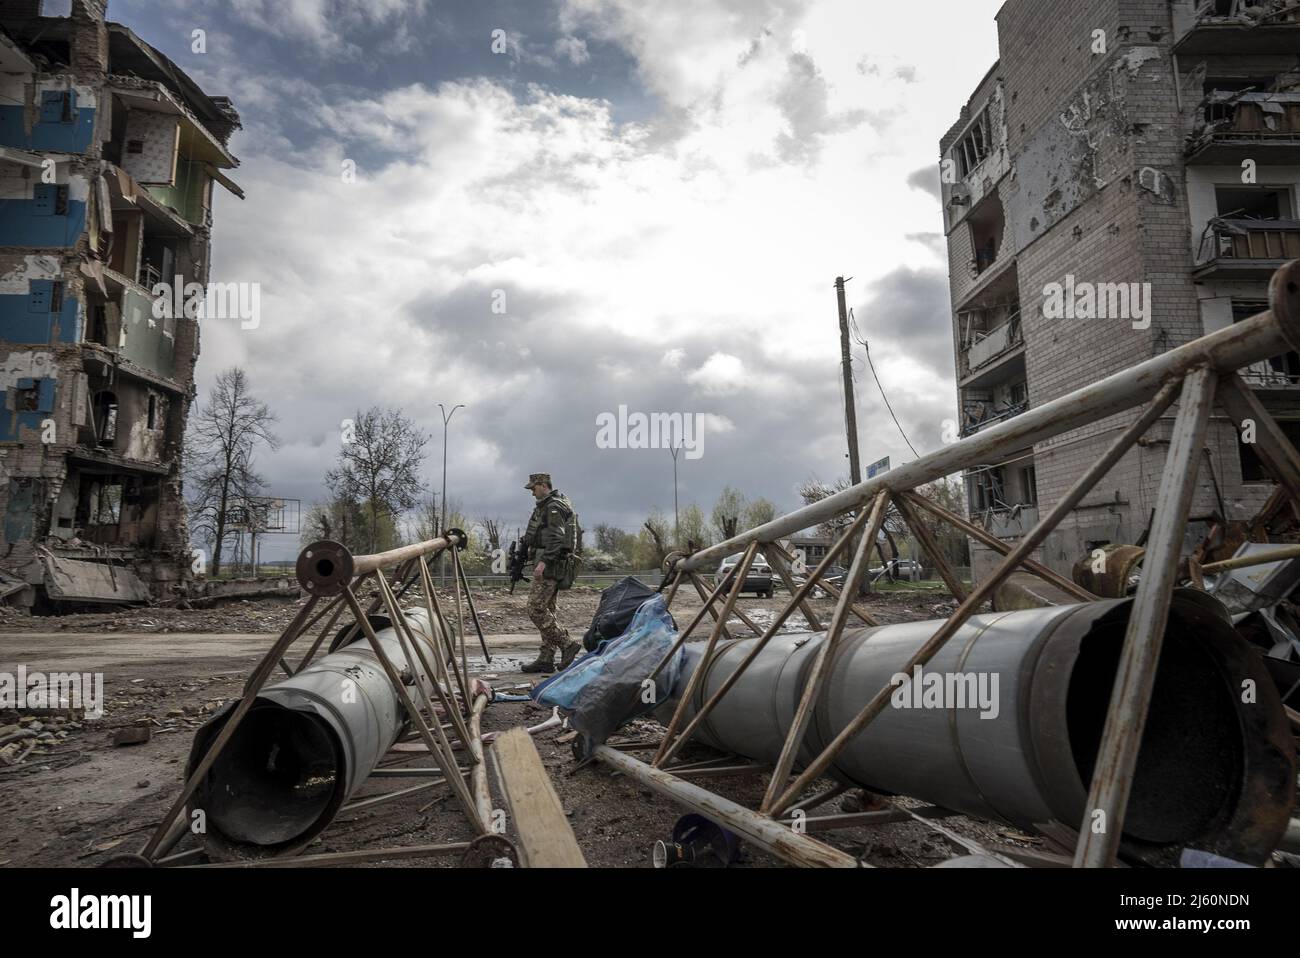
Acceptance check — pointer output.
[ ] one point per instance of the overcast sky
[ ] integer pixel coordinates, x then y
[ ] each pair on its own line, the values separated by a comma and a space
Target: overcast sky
665, 192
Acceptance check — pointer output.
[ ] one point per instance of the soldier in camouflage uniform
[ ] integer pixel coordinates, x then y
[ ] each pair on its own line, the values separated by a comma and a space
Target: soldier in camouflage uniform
552, 542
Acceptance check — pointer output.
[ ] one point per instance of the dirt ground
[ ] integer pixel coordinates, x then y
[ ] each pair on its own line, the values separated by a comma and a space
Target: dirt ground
79, 800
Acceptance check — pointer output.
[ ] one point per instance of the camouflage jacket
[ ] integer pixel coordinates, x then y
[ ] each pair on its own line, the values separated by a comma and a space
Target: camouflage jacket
552, 530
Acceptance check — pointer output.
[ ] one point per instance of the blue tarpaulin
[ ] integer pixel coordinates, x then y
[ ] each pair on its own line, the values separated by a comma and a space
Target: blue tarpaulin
608, 687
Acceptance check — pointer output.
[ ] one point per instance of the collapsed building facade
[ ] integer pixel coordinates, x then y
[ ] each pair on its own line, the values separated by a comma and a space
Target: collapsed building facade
1158, 144
109, 156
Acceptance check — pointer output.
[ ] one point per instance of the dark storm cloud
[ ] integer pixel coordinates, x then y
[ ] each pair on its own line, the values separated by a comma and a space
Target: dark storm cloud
911, 308
926, 179
551, 391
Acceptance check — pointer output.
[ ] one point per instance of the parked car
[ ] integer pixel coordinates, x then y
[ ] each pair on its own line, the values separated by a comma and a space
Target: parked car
759, 579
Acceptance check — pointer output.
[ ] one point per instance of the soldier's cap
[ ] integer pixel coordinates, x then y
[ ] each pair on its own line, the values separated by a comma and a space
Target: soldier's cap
537, 477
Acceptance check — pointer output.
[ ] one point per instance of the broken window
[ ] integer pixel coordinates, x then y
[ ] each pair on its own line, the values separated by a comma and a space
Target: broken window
1277, 372
58, 106
99, 324
1252, 469
157, 262
50, 199
153, 412
986, 224
975, 146
1029, 483
988, 489
105, 418
106, 504
1253, 223
1257, 203
27, 399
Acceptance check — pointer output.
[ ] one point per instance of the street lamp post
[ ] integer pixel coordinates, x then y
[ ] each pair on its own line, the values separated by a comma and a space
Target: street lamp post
446, 420
677, 531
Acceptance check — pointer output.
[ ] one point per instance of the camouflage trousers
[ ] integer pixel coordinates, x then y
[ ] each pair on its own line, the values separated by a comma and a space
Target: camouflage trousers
541, 609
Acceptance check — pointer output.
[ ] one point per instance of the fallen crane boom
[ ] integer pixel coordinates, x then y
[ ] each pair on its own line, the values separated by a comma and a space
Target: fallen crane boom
1271, 333
1213, 772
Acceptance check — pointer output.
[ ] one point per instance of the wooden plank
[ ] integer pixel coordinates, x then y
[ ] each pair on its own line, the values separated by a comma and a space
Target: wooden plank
546, 839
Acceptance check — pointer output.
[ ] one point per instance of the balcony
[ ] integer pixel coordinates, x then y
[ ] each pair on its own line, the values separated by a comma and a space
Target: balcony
1281, 372
1264, 127
1011, 522
1246, 249
1231, 27
978, 415
984, 351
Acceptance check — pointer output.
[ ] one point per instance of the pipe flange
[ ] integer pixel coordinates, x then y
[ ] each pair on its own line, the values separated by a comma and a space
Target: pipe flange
490, 851
671, 560
462, 539
324, 568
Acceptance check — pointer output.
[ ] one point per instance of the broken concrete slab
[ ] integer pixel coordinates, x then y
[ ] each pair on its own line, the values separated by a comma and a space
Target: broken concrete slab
76, 580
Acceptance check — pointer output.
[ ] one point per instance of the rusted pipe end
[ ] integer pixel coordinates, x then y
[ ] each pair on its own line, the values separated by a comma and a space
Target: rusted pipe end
1284, 300
1106, 572
325, 568
461, 537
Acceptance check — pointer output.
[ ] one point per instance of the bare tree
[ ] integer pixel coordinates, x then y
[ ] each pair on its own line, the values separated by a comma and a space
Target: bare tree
337, 519
758, 512
225, 433
727, 512
380, 466
657, 527
814, 490
492, 530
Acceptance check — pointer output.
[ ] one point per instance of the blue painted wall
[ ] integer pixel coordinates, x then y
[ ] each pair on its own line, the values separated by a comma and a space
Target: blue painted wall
28, 319
12, 422
34, 222
59, 129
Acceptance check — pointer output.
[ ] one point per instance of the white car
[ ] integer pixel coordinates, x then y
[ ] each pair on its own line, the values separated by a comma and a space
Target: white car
759, 579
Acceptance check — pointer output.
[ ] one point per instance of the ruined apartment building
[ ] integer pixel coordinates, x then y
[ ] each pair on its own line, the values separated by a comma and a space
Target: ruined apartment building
108, 158
1118, 142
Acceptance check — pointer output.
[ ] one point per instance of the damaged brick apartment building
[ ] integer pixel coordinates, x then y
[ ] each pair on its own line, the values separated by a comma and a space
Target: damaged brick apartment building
1125, 142
109, 155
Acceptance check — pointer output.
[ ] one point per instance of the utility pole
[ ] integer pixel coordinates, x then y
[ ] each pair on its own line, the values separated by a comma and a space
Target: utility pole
850, 407
850, 412
677, 533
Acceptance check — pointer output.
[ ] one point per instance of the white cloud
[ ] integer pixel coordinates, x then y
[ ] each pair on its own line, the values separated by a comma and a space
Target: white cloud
573, 49
690, 238
721, 375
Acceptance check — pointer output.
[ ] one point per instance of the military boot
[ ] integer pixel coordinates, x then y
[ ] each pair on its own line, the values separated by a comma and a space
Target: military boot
545, 662
568, 654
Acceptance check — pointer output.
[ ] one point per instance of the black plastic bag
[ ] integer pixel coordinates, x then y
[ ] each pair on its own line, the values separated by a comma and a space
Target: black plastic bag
618, 604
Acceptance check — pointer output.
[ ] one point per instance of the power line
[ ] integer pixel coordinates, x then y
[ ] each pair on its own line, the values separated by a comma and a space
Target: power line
862, 340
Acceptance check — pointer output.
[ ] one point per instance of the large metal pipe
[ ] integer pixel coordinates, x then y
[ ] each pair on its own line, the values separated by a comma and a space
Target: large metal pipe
1268, 334
1214, 772
326, 567
306, 745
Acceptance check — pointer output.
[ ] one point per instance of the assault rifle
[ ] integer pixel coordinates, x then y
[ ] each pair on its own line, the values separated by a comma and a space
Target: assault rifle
518, 558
